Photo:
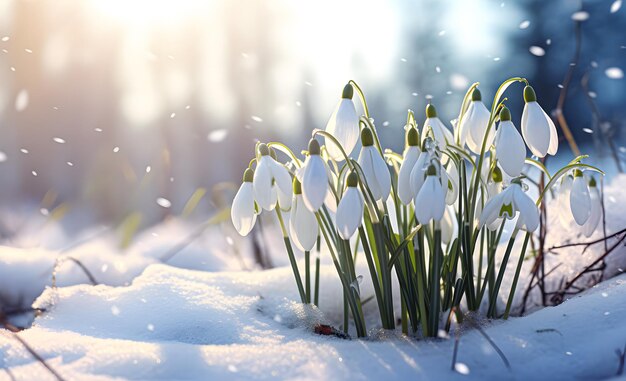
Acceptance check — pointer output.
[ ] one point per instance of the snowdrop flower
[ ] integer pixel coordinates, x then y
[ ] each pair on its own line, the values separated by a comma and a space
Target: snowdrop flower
303, 227
411, 154
243, 210
418, 173
596, 209
314, 178
449, 225
343, 125
512, 201
537, 127
430, 202
450, 182
494, 187
579, 199
562, 201
510, 149
474, 125
374, 167
268, 172
350, 209
441, 134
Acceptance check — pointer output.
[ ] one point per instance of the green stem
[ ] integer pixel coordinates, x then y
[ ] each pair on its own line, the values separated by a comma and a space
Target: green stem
307, 275
292, 257
493, 300
509, 302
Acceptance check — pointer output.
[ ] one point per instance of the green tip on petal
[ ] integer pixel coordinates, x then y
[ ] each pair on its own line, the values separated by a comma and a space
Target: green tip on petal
496, 175
412, 137
314, 147
367, 139
248, 175
505, 114
297, 187
578, 173
529, 94
348, 92
352, 179
263, 149
517, 181
592, 182
476, 96
431, 111
432, 170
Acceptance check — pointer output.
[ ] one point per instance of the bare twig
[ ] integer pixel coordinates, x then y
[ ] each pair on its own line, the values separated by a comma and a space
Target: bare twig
59, 260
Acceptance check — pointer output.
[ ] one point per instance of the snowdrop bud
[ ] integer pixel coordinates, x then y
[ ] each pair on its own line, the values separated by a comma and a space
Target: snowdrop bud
430, 202
350, 209
410, 157
440, 132
242, 212
314, 178
303, 227
537, 127
269, 173
579, 199
474, 125
596, 209
374, 167
343, 125
510, 149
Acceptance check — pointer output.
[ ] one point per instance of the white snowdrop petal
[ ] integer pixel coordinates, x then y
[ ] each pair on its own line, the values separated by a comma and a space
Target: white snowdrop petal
580, 201
344, 126
535, 129
262, 184
382, 175
349, 213
528, 212
510, 149
281, 176
242, 211
596, 212
314, 182
306, 226
477, 127
417, 173
430, 201
365, 160
404, 176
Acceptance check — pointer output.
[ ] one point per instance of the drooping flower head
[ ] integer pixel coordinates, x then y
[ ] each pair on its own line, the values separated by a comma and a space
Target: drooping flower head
537, 128
243, 211
511, 202
269, 173
410, 157
374, 167
314, 178
579, 198
510, 149
440, 132
474, 125
350, 209
343, 125
596, 209
430, 202
303, 227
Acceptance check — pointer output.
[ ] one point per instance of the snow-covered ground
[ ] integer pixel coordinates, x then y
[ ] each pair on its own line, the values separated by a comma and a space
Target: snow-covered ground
203, 315
180, 324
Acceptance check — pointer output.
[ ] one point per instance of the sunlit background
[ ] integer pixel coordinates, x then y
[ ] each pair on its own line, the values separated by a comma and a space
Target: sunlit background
115, 107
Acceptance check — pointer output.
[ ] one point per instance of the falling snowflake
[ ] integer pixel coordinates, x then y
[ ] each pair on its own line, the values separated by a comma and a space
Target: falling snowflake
537, 51
614, 73
163, 202
21, 101
617, 4
524, 24
461, 368
59, 140
256, 118
217, 136
580, 16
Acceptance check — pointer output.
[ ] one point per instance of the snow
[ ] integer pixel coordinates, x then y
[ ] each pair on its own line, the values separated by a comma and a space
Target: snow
174, 323
201, 314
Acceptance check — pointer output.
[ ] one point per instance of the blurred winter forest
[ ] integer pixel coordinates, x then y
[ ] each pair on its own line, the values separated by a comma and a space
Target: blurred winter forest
114, 107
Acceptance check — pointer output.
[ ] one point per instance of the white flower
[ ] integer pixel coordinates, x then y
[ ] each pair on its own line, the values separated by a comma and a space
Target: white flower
441, 134
510, 148
303, 227
474, 125
579, 199
267, 172
242, 212
449, 226
314, 178
374, 167
596, 209
562, 201
411, 154
418, 173
343, 125
511, 202
494, 187
450, 182
537, 127
350, 209
430, 202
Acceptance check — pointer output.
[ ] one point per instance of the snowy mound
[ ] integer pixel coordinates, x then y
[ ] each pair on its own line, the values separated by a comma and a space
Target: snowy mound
173, 323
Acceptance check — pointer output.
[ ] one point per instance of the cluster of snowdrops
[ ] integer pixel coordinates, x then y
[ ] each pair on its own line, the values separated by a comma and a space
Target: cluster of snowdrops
434, 214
